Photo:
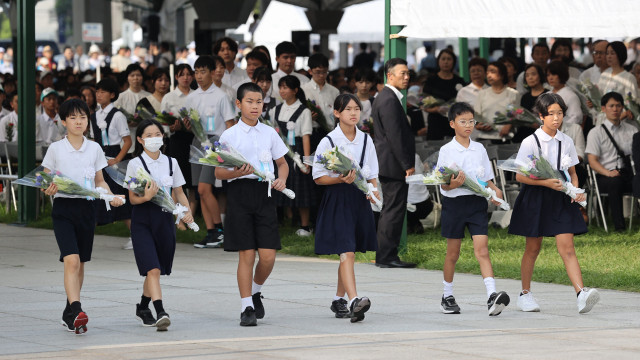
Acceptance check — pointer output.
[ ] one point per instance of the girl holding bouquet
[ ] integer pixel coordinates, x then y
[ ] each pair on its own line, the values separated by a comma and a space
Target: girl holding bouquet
345, 220
542, 209
294, 121
73, 216
152, 229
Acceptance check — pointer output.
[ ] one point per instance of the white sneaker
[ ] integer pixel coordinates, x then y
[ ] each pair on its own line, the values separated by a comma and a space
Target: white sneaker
587, 299
128, 245
526, 302
303, 232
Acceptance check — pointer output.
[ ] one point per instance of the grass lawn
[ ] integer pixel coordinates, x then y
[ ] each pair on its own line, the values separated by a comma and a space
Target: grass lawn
608, 260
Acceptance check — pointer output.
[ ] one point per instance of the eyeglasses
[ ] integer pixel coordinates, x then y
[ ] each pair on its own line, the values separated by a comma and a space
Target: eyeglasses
466, 123
598, 53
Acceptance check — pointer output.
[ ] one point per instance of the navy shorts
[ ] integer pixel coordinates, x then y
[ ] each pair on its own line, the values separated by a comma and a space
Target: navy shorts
464, 211
74, 223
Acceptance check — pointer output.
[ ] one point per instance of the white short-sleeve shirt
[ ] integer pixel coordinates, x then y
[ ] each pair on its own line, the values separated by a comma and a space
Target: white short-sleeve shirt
80, 165
600, 145
118, 127
323, 97
159, 170
253, 142
212, 102
549, 146
128, 100
574, 109
469, 93
174, 101
352, 149
473, 160
303, 123
235, 77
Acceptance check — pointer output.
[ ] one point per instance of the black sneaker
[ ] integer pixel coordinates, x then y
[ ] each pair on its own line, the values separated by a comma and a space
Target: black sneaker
257, 302
67, 320
217, 240
448, 305
145, 316
359, 306
163, 321
248, 317
340, 308
203, 244
80, 321
497, 302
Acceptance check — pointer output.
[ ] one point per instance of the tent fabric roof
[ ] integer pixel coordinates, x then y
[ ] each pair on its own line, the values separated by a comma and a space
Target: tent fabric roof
323, 4
516, 18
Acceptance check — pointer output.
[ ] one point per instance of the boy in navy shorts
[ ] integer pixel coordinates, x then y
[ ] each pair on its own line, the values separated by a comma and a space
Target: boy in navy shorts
462, 208
252, 220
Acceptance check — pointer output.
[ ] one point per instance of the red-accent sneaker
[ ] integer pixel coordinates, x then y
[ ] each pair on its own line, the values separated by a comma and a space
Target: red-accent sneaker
80, 323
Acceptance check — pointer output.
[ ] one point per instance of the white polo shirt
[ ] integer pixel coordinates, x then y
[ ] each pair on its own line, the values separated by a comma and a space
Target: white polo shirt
159, 170
253, 142
275, 77
80, 165
235, 77
549, 146
352, 149
118, 128
473, 160
51, 129
599, 144
303, 124
212, 102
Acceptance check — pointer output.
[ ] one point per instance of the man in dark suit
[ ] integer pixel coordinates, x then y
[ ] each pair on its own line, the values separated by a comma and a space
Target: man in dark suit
395, 146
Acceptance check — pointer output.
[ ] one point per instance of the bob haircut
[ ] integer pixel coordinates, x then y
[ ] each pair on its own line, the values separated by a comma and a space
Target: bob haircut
458, 109
248, 87
541, 107
232, 44
620, 49
134, 67
447, 51
565, 43
539, 70
73, 107
558, 67
502, 70
343, 100
109, 85
158, 73
262, 74
140, 130
366, 75
181, 68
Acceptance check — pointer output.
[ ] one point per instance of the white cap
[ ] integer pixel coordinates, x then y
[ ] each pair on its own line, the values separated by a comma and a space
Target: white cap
192, 45
2, 49
94, 49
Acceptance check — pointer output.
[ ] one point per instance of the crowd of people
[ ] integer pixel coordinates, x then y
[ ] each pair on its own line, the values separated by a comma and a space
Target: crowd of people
314, 110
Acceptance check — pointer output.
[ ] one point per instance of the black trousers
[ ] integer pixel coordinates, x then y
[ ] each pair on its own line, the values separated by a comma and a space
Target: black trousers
615, 187
391, 219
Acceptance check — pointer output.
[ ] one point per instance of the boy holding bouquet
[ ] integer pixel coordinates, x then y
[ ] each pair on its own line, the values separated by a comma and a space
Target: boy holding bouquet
462, 208
252, 221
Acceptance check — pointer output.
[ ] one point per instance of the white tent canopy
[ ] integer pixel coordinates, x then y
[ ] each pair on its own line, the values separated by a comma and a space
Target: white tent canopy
516, 18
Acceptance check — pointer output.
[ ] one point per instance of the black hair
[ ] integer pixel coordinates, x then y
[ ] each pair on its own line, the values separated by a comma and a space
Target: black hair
366, 75
558, 67
451, 53
611, 95
538, 69
73, 92
318, 60
205, 61
286, 47
93, 92
232, 44
217, 60
565, 43
158, 73
258, 55
341, 102
138, 149
502, 70
163, 45
620, 49
262, 74
39, 84
510, 60
71, 107
183, 67
478, 61
458, 109
263, 49
391, 63
248, 87
539, 45
109, 85
547, 99
134, 67
293, 83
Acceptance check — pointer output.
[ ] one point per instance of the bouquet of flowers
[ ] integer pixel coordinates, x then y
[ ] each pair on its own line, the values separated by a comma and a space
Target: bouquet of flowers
516, 116
144, 114
366, 126
336, 161
538, 168
41, 179
197, 127
132, 119
162, 198
166, 118
633, 106
591, 92
224, 155
297, 160
430, 101
8, 130
321, 120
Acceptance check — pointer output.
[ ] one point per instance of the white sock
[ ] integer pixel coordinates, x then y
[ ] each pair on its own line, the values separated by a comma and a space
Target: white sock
490, 283
246, 302
448, 288
336, 297
350, 301
255, 288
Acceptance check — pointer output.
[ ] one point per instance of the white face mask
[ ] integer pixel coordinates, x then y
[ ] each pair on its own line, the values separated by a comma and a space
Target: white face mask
153, 144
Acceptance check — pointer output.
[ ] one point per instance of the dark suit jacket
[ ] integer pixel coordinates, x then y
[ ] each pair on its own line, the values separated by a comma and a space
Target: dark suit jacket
394, 140
635, 155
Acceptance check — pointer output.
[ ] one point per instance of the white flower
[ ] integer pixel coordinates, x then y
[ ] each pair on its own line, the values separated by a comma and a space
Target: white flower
565, 163
291, 125
458, 87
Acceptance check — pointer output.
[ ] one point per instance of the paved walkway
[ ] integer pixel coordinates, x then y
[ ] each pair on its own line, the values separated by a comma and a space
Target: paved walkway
201, 297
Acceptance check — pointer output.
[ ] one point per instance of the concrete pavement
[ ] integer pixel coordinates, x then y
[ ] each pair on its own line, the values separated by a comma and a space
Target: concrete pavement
202, 298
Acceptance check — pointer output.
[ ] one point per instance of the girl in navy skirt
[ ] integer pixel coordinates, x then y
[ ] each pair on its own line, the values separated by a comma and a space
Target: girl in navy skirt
293, 116
542, 209
152, 229
345, 220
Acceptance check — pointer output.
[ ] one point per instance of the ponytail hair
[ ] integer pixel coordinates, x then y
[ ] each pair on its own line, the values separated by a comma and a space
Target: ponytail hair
293, 83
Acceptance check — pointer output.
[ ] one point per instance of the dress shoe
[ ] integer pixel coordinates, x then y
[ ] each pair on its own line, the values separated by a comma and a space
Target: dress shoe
396, 264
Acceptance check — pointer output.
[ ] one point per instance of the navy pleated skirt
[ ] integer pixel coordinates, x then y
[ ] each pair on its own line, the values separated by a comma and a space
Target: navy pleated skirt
540, 211
153, 234
345, 221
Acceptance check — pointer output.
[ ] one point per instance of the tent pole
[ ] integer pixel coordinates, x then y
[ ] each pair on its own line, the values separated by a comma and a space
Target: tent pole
26, 79
463, 58
484, 48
